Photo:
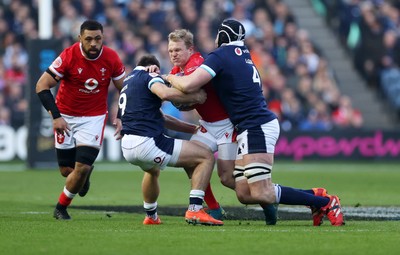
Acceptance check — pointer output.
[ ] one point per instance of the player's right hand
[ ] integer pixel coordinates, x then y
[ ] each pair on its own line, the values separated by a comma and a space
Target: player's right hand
61, 126
201, 96
152, 69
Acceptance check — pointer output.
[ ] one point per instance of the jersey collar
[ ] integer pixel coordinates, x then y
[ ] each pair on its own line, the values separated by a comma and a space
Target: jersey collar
235, 43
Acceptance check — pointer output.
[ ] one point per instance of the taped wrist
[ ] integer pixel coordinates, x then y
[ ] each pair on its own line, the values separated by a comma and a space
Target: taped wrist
48, 103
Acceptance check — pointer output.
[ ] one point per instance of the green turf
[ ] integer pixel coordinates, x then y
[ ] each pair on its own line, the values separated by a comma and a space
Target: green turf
27, 199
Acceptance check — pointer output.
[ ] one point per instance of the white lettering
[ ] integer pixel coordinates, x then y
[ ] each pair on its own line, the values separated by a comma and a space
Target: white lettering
13, 144
7, 151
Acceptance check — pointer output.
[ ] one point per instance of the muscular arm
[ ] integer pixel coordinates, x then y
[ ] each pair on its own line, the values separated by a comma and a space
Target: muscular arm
117, 120
190, 83
179, 125
119, 83
43, 86
45, 82
174, 95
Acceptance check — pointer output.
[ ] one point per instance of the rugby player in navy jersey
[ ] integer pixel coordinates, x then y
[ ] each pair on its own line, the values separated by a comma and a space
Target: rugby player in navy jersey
216, 131
144, 144
238, 85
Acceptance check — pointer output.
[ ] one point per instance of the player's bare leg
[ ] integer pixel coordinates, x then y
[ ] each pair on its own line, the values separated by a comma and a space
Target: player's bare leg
201, 160
151, 191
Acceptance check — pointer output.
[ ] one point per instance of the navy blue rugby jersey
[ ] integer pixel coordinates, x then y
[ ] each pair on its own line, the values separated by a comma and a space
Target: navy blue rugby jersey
140, 108
238, 85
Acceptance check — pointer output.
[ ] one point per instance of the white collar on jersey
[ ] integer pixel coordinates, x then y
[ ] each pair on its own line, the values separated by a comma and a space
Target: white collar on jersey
83, 54
236, 43
140, 68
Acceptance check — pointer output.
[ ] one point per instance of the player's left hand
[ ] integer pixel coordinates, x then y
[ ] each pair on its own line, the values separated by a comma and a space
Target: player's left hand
118, 127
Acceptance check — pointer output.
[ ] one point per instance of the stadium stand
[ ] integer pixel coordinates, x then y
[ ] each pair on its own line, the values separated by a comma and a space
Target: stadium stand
304, 80
369, 32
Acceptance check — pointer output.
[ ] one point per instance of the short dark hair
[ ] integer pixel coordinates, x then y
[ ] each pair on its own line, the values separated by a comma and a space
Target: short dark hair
91, 25
148, 60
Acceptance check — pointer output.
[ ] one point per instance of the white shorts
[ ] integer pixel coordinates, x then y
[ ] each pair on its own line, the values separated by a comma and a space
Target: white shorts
218, 136
148, 152
84, 131
261, 139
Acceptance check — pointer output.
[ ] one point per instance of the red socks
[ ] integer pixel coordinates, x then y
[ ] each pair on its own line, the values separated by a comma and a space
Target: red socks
210, 199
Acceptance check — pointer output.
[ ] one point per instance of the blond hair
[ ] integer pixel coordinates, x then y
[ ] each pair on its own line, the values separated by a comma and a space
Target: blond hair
182, 35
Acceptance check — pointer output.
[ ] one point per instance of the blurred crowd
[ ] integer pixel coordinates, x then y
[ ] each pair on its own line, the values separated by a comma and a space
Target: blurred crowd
370, 30
298, 83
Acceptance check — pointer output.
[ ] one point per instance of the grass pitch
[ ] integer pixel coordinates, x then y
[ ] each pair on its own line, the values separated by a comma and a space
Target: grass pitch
27, 199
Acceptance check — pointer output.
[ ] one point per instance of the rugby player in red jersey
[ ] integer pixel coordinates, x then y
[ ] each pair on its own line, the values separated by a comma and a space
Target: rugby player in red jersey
79, 111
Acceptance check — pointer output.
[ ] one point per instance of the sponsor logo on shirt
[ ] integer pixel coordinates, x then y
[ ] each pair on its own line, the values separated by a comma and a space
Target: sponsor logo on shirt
90, 84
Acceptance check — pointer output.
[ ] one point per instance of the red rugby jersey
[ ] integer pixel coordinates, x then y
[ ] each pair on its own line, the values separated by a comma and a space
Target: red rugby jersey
211, 110
84, 85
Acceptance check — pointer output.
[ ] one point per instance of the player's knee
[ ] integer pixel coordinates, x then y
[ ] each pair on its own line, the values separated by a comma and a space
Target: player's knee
86, 155
65, 170
66, 161
206, 156
227, 180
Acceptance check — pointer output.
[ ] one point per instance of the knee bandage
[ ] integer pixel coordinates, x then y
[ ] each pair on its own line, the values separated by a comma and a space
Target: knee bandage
257, 172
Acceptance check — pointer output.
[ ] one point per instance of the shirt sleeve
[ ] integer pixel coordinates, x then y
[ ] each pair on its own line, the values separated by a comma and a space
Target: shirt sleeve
212, 64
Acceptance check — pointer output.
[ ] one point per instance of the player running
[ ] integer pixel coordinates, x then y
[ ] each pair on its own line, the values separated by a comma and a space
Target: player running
80, 110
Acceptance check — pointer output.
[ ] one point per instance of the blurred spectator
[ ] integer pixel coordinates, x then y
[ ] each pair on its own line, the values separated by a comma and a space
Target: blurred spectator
345, 116
297, 81
16, 102
371, 29
292, 111
318, 119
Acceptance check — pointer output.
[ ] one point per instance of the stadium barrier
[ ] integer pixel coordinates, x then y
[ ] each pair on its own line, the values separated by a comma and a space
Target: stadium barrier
297, 146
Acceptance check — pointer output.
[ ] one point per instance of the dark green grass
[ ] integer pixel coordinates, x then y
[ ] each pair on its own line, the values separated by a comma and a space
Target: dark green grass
27, 199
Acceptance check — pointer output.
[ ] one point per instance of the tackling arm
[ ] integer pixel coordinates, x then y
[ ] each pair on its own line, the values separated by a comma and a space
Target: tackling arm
172, 94
189, 83
179, 125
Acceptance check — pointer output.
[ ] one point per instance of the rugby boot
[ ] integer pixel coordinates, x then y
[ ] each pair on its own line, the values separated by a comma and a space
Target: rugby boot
317, 213
271, 213
218, 214
333, 211
202, 218
150, 221
61, 214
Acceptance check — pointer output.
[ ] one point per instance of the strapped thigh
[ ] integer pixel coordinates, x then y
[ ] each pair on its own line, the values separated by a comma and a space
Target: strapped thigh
86, 154
66, 158
257, 171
